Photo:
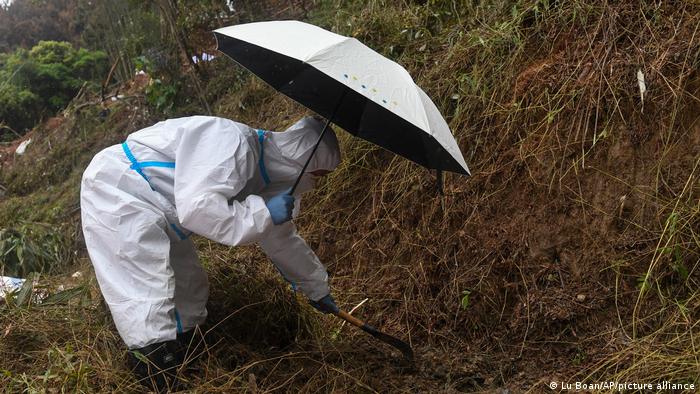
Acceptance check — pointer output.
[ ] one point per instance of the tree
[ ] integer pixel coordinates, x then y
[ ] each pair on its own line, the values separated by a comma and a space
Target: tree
43, 80
23, 23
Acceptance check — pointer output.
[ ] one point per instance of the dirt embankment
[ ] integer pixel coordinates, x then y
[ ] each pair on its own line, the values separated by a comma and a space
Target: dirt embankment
570, 254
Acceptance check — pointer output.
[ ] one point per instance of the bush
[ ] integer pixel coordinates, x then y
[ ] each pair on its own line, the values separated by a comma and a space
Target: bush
161, 95
32, 248
43, 80
18, 107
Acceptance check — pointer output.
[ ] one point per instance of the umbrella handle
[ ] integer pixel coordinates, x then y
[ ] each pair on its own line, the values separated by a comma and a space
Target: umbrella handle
320, 137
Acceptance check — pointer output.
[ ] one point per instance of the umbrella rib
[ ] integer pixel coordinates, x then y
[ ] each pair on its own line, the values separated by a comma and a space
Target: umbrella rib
313, 55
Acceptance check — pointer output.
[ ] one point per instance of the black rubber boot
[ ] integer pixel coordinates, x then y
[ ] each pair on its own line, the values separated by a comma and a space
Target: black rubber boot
155, 365
186, 339
192, 346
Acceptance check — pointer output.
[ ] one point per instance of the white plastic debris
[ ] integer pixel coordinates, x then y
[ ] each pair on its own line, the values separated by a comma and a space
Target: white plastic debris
23, 147
642, 85
77, 275
9, 284
204, 57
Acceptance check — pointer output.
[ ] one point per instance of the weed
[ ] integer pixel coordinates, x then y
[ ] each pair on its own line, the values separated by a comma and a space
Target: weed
32, 248
161, 95
465, 299
577, 197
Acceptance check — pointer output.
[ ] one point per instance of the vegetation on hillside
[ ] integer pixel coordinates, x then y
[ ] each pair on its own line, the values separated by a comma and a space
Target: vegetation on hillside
571, 254
23, 23
43, 80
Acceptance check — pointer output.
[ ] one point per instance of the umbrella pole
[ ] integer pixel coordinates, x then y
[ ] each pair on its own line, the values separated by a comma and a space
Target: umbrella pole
320, 137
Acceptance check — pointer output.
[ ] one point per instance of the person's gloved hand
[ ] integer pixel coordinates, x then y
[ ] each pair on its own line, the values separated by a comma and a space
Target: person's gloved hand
281, 207
325, 305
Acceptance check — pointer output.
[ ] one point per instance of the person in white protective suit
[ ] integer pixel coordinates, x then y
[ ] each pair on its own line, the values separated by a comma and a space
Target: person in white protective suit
143, 199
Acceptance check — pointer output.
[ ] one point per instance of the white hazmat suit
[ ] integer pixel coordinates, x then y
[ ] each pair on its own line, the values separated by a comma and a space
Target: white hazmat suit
141, 201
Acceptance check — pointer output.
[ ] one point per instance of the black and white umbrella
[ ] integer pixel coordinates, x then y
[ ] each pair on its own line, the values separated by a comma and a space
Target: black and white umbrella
348, 83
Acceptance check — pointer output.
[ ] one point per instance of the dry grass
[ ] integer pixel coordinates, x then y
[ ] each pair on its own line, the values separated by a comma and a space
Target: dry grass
575, 240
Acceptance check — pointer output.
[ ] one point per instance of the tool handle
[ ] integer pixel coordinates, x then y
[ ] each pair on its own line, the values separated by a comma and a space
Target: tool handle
350, 318
359, 323
395, 342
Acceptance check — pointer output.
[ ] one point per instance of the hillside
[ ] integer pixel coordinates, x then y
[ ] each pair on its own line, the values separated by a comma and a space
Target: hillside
570, 255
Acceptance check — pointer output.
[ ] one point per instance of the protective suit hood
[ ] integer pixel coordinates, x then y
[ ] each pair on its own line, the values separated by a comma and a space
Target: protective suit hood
290, 150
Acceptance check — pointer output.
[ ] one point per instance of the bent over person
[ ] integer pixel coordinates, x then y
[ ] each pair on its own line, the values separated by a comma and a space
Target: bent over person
143, 199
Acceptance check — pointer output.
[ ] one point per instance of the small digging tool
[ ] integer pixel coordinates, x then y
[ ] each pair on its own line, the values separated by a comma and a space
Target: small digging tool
386, 338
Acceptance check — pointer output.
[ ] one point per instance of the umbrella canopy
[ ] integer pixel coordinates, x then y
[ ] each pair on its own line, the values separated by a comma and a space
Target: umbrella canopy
350, 84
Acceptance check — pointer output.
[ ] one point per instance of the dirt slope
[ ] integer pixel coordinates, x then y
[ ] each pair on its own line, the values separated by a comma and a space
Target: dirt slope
571, 254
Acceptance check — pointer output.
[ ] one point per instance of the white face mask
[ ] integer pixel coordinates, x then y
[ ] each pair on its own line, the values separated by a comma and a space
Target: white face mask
287, 152
290, 149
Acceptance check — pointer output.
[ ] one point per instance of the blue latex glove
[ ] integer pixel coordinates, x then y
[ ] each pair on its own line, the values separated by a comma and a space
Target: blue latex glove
325, 305
280, 207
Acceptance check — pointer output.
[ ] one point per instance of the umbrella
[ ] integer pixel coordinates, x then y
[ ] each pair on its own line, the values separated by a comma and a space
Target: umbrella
349, 84
352, 86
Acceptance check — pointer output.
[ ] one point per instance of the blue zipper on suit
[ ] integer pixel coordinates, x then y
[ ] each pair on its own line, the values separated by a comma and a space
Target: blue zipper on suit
139, 166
